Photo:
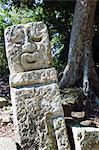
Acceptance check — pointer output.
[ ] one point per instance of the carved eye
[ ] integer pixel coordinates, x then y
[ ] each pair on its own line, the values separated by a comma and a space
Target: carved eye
18, 42
37, 39
18, 38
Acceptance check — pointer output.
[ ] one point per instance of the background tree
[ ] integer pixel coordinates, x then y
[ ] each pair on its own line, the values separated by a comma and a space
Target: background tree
80, 66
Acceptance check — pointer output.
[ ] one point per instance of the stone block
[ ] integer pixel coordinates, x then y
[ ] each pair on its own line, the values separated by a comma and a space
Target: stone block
42, 76
86, 138
36, 111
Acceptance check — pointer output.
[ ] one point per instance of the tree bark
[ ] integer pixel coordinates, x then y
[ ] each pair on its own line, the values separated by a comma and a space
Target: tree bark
73, 70
88, 63
80, 66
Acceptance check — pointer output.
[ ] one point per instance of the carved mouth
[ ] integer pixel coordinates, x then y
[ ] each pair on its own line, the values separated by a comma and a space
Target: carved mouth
30, 61
33, 61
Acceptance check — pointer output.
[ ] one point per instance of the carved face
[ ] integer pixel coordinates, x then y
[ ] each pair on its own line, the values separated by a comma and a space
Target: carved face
27, 47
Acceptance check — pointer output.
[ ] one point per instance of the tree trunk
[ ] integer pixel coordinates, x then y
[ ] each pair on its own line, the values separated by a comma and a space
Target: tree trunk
80, 66
88, 63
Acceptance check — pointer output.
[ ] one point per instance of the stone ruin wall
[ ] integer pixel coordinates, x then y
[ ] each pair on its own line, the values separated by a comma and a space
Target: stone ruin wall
38, 114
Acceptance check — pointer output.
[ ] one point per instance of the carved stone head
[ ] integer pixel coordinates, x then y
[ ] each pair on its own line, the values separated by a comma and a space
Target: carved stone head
27, 47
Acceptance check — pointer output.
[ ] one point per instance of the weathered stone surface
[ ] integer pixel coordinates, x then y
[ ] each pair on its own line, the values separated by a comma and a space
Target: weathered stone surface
27, 47
61, 133
35, 110
76, 114
34, 77
86, 138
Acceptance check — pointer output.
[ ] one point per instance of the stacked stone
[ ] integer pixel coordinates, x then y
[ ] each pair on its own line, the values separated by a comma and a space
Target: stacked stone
38, 114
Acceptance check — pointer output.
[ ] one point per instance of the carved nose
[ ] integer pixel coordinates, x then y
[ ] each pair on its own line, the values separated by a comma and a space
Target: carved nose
28, 47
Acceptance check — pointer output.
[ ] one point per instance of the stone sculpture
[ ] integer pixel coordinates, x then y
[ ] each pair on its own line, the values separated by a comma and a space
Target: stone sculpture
38, 114
27, 47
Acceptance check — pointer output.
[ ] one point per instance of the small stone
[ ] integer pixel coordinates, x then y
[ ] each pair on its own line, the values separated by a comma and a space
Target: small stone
86, 123
3, 102
6, 120
78, 114
68, 100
